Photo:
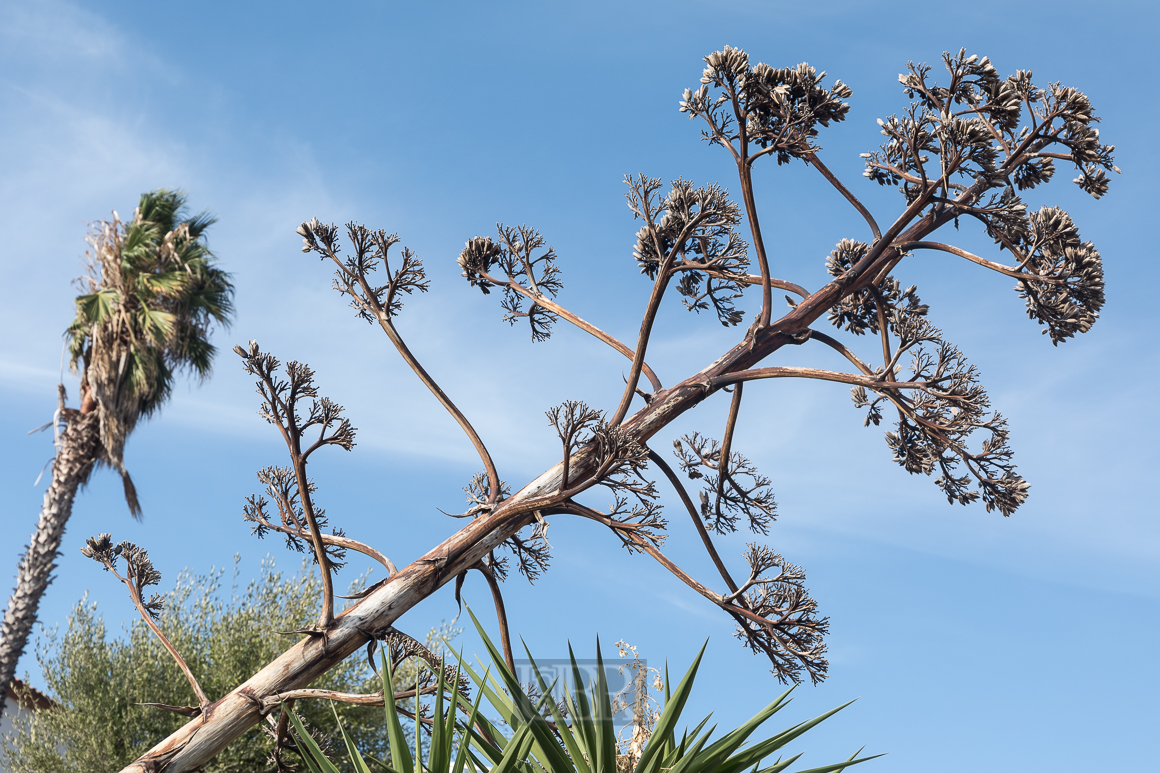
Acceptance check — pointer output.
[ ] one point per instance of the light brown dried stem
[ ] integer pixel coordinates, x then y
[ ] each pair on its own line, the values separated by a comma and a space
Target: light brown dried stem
812, 158
822, 375
587, 327
333, 539
368, 299
358, 699
999, 267
751, 279
203, 702
687, 501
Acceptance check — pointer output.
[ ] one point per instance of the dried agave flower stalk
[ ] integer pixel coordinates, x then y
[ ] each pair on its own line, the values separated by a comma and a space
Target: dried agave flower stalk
960, 150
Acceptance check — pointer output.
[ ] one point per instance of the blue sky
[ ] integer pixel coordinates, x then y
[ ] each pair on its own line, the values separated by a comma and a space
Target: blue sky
1023, 643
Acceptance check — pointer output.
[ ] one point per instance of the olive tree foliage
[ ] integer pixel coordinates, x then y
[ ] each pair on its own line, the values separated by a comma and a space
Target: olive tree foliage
964, 147
106, 690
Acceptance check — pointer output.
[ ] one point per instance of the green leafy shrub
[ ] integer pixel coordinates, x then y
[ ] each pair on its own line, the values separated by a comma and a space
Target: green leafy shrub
99, 684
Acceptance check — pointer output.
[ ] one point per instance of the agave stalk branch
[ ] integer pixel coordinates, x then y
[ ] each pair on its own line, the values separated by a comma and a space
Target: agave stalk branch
587, 327
884, 333
726, 446
745, 171
840, 348
812, 159
999, 267
853, 379
687, 501
284, 418
751, 279
329, 539
135, 595
500, 613
358, 699
646, 325
368, 297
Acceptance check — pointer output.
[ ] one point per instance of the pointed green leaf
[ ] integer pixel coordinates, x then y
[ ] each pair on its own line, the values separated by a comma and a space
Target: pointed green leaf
671, 713
400, 756
356, 758
314, 757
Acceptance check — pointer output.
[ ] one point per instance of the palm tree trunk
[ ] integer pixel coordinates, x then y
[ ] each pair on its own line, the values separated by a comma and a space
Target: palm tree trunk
77, 450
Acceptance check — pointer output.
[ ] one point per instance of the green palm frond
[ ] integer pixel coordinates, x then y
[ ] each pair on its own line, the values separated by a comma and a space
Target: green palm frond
96, 308
154, 293
159, 326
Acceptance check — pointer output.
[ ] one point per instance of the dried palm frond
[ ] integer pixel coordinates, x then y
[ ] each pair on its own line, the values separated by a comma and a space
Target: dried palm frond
151, 296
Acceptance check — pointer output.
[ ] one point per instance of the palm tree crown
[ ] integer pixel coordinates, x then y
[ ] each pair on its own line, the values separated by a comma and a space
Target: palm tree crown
154, 292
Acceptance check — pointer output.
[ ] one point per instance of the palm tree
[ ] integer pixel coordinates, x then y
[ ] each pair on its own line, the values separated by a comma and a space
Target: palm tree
153, 292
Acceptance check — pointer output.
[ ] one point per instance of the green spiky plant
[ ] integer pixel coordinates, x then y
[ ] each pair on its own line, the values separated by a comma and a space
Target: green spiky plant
540, 742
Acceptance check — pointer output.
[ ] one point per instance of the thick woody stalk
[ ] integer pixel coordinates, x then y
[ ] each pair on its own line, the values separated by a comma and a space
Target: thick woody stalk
197, 742
77, 450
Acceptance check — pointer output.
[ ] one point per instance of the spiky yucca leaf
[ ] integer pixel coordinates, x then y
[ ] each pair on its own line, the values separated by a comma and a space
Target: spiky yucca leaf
588, 744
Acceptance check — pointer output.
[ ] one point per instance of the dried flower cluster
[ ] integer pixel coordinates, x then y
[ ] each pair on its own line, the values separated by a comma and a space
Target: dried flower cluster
777, 108
793, 636
733, 488
530, 270
139, 570
690, 233
960, 151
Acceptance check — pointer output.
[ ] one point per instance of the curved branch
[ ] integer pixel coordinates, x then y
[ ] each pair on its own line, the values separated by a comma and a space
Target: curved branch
822, 375
202, 700
336, 541
629, 535
367, 297
579, 322
752, 279
812, 158
283, 416
883, 331
745, 171
646, 325
726, 445
358, 699
500, 613
841, 349
326, 616
706, 540
999, 267
444, 400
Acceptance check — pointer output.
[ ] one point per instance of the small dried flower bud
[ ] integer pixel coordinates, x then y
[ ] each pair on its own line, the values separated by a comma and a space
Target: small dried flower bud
100, 548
